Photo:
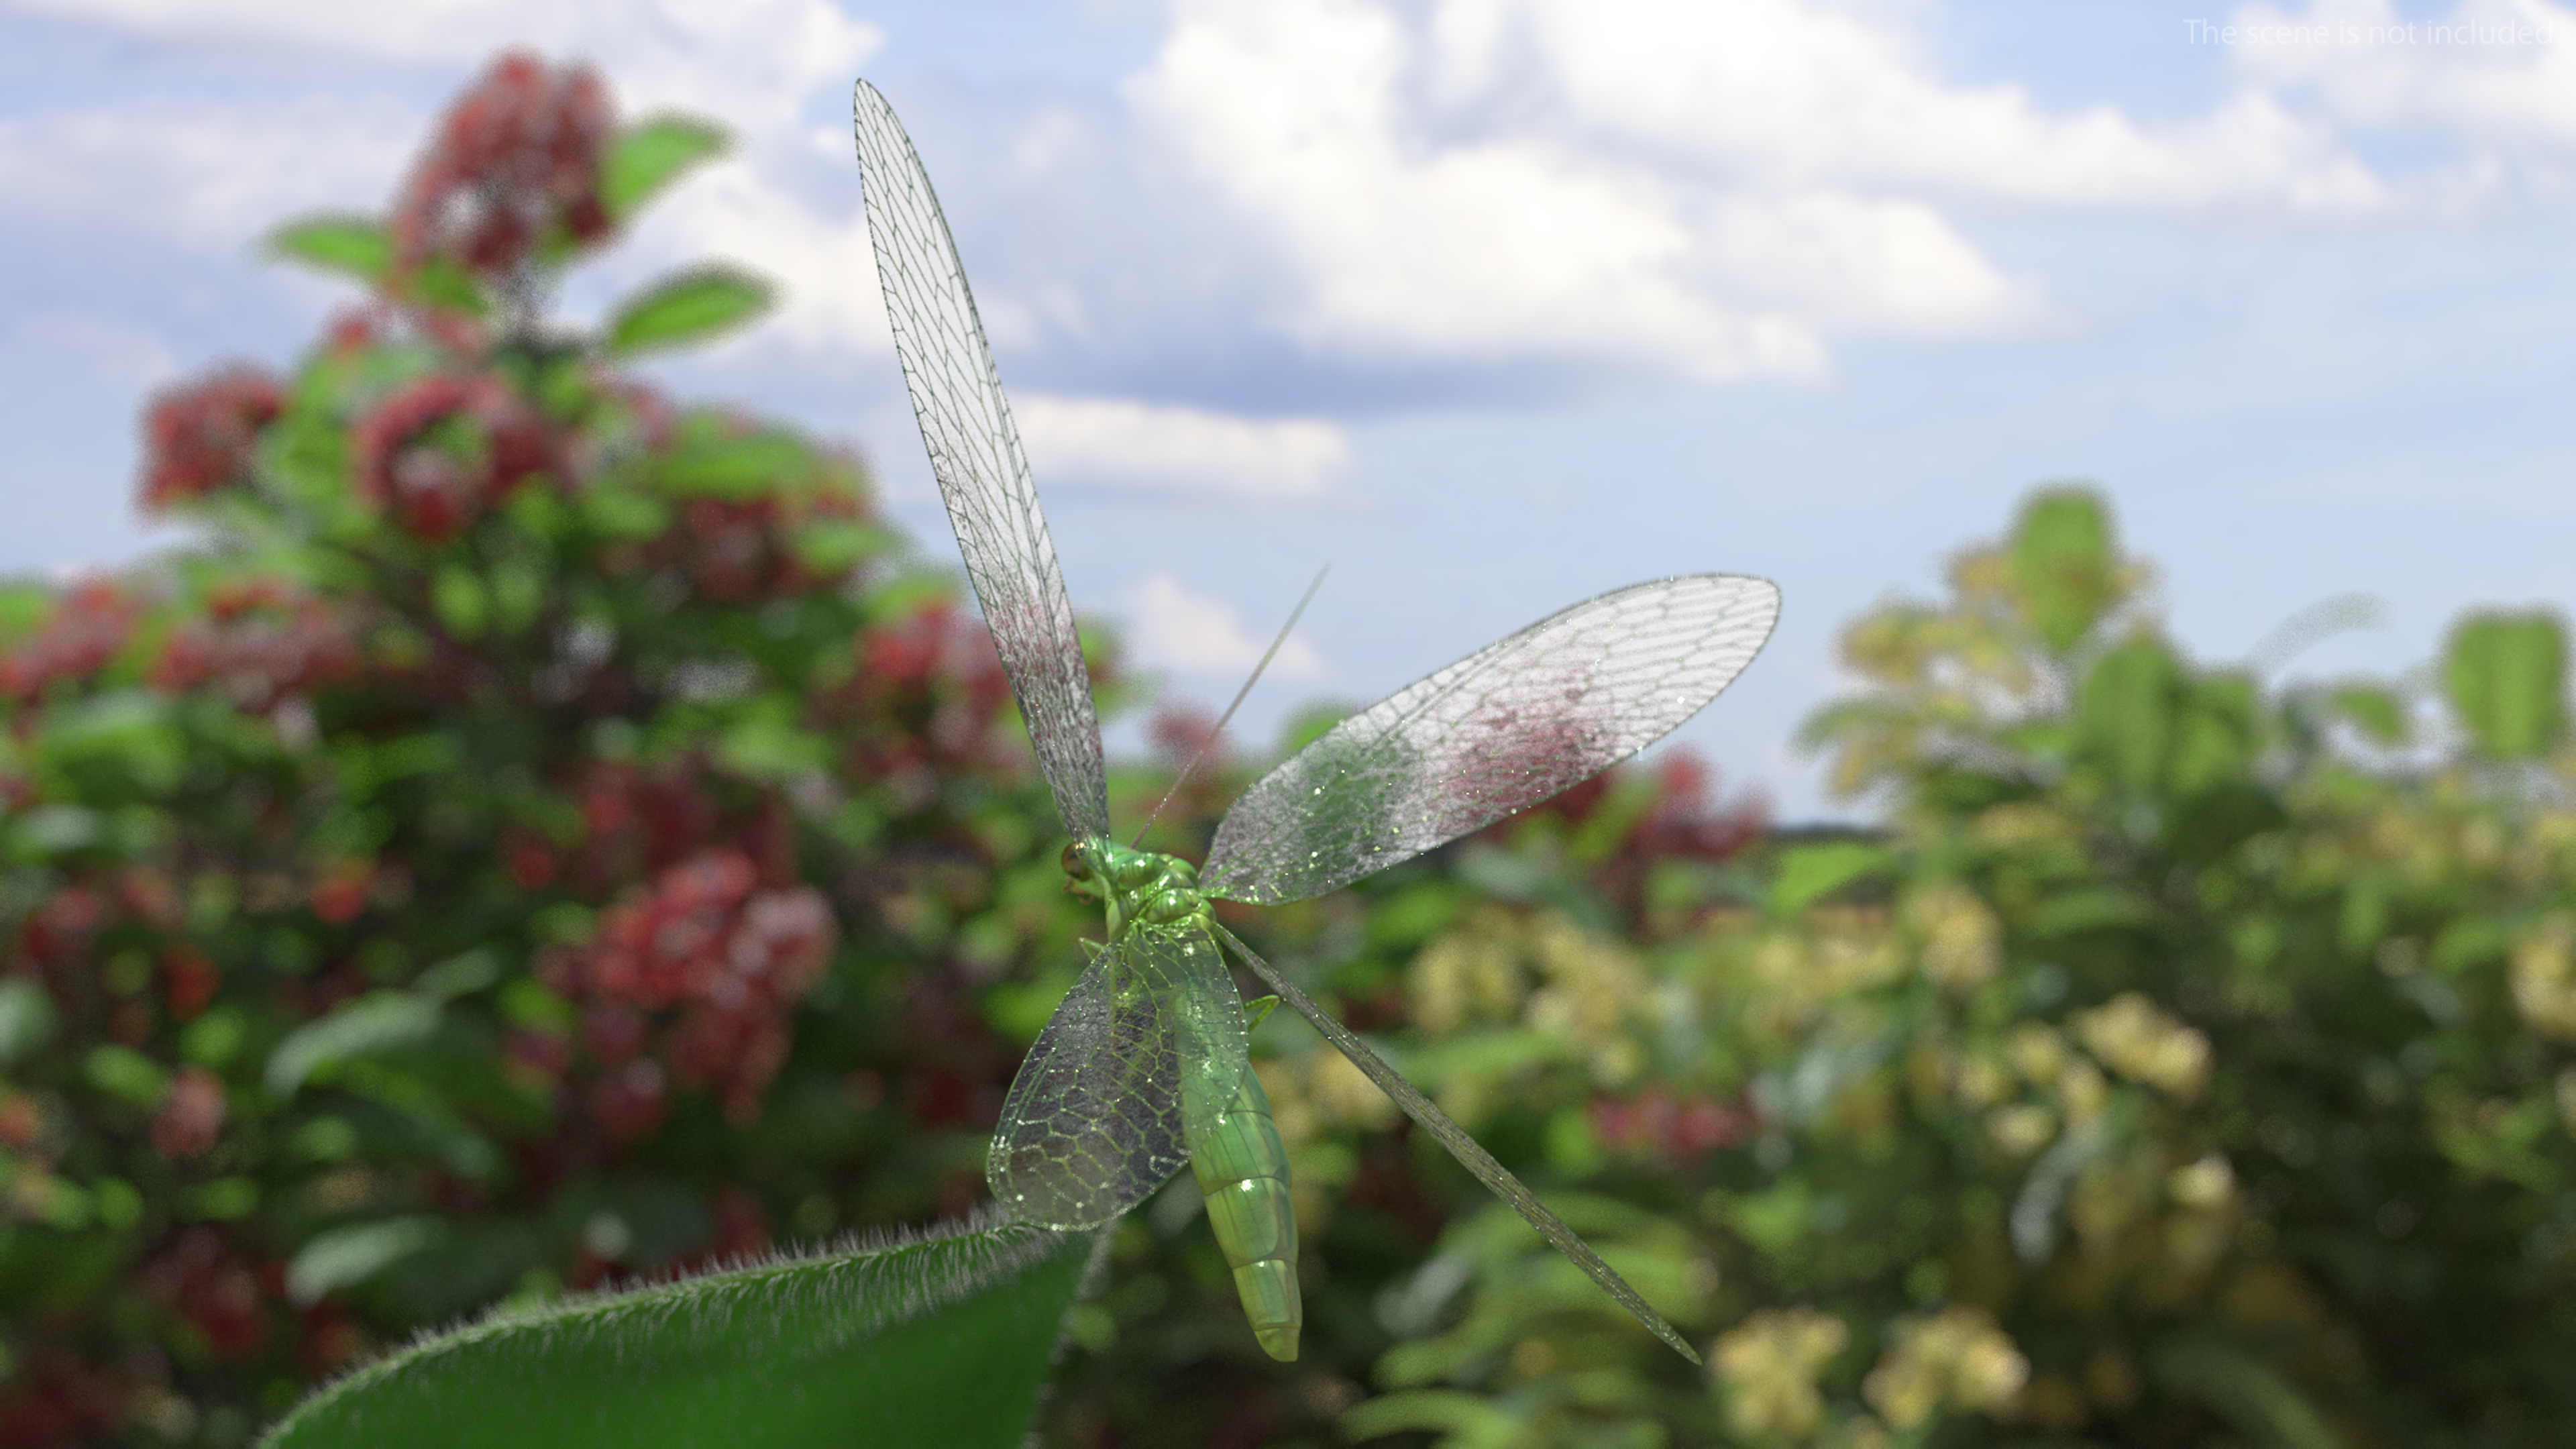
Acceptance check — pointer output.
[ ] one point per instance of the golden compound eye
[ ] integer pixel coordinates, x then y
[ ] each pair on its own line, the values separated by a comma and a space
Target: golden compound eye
1072, 859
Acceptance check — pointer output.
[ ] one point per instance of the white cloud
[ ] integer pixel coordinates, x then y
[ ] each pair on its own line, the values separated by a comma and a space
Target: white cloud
1789, 94
752, 62
205, 175
1195, 634
2497, 74
1182, 449
216, 175
120, 355
1657, 183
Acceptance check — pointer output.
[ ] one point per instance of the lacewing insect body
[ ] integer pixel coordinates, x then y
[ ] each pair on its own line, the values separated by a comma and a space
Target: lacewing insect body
1145, 1066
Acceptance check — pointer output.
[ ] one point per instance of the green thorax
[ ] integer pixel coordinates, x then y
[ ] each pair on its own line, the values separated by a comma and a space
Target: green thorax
1138, 885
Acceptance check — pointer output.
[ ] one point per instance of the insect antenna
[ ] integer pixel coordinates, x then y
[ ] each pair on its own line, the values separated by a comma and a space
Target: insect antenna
1209, 743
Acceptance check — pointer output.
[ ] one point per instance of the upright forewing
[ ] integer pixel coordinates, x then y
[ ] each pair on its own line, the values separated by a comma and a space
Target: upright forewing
975, 453
1494, 733
1092, 1124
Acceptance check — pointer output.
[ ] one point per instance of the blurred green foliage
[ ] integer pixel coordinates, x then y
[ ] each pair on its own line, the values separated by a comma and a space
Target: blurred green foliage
548, 834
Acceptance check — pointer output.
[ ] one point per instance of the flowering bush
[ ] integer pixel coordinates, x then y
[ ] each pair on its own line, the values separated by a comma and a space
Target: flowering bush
2189, 1060
470, 871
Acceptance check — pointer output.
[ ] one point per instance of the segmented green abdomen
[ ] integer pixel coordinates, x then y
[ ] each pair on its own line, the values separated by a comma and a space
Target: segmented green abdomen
1243, 1172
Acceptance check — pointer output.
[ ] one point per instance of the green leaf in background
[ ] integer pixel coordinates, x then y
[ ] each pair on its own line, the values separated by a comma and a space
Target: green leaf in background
1810, 873
122, 740
2128, 709
833, 547
353, 246
2506, 674
2242, 1389
938, 1339
650, 155
2377, 712
464, 605
443, 283
715, 466
27, 1018
689, 307
121, 1071
345, 1256
624, 513
2062, 559
379, 1022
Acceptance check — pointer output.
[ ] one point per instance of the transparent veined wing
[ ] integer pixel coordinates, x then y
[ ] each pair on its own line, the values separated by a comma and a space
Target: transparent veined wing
1492, 734
1470, 1153
983, 473
1093, 1122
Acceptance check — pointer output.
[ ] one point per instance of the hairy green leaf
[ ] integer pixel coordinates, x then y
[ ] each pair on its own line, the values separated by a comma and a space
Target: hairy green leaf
942, 1338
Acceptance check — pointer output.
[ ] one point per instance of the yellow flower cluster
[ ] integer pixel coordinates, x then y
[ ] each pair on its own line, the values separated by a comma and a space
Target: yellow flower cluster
2023, 825
1962, 941
2203, 1226
1317, 1091
1957, 1359
2543, 965
1768, 1366
1594, 987
2405, 839
1792, 977
1469, 975
2134, 1037
2022, 1128
2039, 1055
1587, 988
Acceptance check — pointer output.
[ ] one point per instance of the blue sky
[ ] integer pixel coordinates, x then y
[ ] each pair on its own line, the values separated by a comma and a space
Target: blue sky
1490, 304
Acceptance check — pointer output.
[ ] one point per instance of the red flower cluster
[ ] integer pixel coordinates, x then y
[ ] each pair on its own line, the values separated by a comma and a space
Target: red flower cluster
59, 937
742, 551
1659, 1126
1686, 823
706, 942
935, 676
57, 934
198, 437
216, 1294
637, 822
515, 164
259, 644
59, 1401
87, 627
734, 552
439, 451
339, 893
191, 980
191, 1116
